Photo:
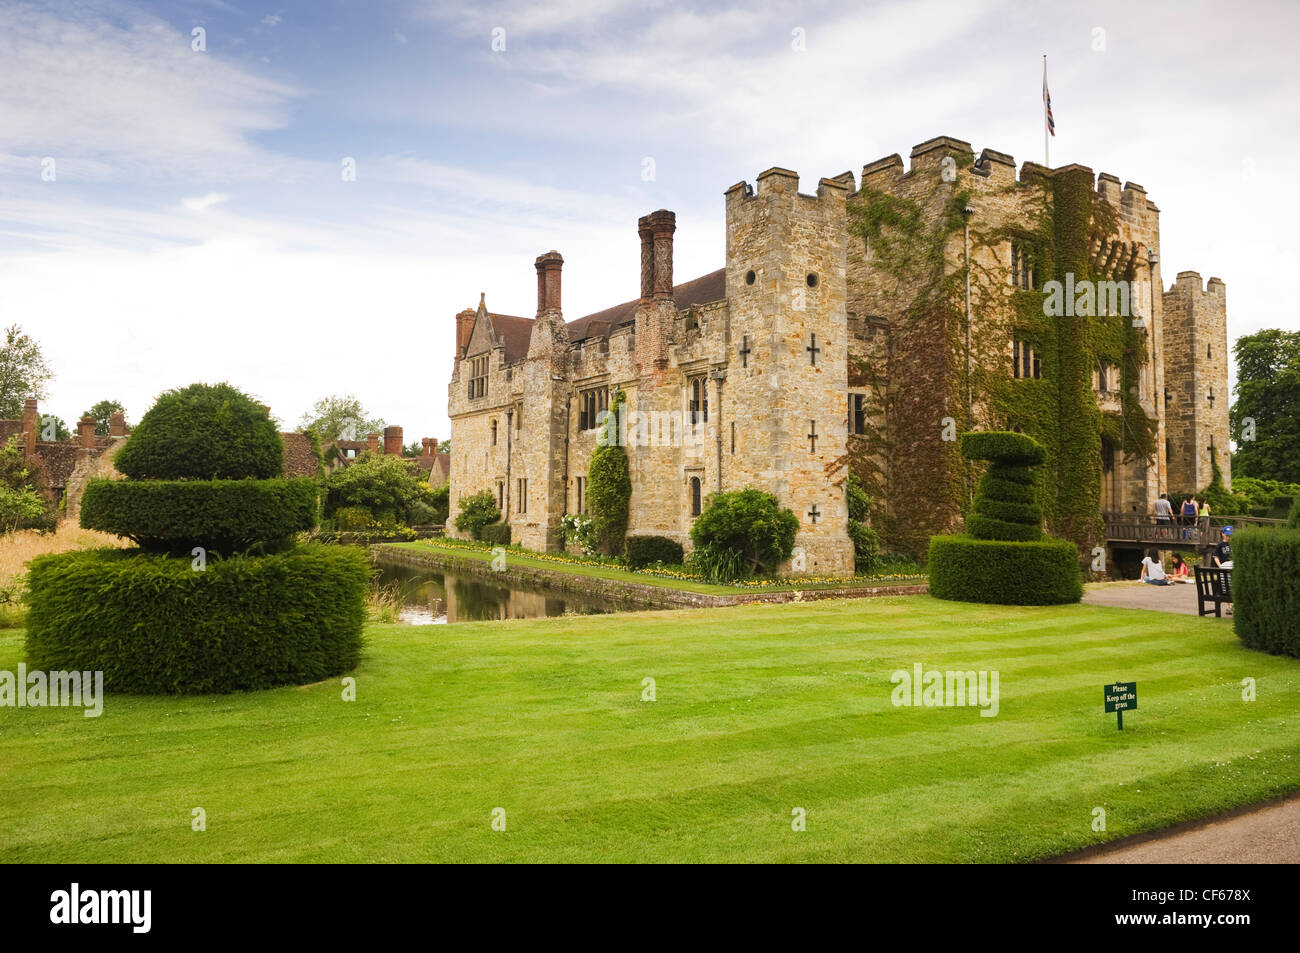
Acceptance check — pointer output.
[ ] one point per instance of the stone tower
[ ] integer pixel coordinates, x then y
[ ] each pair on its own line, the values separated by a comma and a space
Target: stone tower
786, 289
1196, 373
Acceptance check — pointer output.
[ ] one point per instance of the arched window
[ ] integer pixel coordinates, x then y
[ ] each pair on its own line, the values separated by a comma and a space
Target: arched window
695, 496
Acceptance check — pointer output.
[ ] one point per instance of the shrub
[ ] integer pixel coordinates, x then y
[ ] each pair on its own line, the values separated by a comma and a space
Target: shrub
440, 502
353, 518
227, 516
476, 512
421, 514
388, 486
866, 547
1293, 519
646, 550
156, 626
498, 534
1041, 572
1266, 597
580, 530
609, 485
742, 534
203, 432
1003, 446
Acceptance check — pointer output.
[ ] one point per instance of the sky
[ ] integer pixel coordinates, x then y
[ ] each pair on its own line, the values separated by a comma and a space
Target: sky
298, 197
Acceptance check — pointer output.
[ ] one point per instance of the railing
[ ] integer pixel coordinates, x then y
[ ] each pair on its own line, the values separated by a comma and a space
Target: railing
1201, 534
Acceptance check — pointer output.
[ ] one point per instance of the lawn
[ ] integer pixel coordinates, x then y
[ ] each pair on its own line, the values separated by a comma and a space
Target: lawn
760, 710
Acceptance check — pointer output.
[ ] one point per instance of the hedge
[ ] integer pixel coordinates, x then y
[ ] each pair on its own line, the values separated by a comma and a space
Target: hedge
646, 550
1009, 511
154, 625
1265, 590
498, 534
1039, 573
1009, 491
227, 516
203, 432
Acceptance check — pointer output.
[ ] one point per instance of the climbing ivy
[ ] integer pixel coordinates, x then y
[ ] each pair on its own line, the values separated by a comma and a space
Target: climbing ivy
909, 243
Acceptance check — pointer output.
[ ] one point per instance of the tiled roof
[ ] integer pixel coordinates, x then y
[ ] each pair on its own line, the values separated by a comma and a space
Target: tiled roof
438, 465
299, 458
710, 287
514, 332
57, 461
9, 428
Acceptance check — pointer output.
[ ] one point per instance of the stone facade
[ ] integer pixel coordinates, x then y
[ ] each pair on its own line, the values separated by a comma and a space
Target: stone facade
1196, 395
803, 357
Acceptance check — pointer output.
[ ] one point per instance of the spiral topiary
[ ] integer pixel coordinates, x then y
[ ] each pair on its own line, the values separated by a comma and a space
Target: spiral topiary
202, 484
1003, 557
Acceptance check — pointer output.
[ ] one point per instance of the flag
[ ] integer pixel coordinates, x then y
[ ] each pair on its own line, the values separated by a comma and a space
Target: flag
1047, 102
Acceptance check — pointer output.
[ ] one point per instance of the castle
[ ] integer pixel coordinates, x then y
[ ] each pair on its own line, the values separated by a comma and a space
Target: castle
861, 329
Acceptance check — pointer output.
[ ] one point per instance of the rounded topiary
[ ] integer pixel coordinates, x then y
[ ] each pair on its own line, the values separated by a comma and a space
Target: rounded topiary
203, 484
1003, 558
203, 432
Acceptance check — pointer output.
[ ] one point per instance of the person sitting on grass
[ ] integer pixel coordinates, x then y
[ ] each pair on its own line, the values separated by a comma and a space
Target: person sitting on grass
1222, 553
1181, 571
1152, 571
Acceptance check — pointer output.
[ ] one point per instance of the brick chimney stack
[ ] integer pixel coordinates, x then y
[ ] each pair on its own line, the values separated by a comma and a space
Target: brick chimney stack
373, 440
429, 446
86, 433
548, 281
31, 425
117, 424
661, 224
393, 441
464, 328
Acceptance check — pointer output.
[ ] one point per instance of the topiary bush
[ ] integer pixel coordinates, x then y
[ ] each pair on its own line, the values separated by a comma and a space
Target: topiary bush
225, 516
742, 534
156, 626
476, 512
203, 432
1044, 572
645, 551
609, 484
1003, 557
225, 619
1266, 597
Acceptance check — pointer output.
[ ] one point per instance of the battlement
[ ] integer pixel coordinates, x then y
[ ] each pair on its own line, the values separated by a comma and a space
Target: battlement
1188, 284
782, 185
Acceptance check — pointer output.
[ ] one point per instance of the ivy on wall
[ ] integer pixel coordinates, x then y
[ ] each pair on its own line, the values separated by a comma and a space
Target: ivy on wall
909, 246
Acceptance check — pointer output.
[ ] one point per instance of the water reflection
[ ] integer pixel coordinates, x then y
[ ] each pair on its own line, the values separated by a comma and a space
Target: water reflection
435, 598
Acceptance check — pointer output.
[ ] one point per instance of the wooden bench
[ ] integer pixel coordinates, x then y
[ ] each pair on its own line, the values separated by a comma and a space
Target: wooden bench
1212, 585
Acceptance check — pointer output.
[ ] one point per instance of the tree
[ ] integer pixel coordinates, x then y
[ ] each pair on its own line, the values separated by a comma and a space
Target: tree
53, 428
102, 411
444, 447
1266, 415
24, 501
23, 372
340, 417
413, 449
388, 487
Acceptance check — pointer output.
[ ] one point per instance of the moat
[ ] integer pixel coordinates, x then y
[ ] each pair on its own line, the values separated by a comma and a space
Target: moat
429, 597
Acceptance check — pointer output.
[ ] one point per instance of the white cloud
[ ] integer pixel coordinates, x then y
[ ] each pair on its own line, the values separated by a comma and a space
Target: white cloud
202, 203
271, 19
126, 91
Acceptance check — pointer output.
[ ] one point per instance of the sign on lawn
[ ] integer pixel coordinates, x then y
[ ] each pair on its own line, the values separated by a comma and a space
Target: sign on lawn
1120, 697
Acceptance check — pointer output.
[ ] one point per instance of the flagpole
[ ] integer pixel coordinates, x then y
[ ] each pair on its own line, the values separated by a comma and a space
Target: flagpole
1047, 161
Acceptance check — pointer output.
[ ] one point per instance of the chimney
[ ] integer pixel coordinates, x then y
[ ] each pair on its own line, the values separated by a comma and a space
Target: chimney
31, 424
393, 441
548, 282
117, 424
429, 446
662, 225
647, 257
373, 440
464, 328
86, 432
